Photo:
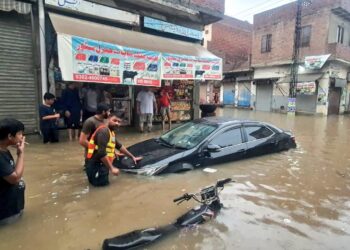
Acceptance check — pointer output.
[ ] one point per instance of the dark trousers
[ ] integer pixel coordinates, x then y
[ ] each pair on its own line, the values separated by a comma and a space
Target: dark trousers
49, 134
97, 173
11, 201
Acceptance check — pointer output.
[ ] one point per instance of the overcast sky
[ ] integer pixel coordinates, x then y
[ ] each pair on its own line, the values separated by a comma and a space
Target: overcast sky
245, 9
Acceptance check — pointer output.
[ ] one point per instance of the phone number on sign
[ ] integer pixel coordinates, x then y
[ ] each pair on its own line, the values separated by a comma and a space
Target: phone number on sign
95, 78
148, 82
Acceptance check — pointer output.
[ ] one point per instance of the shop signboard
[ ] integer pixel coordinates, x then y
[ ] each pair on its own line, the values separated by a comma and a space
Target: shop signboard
88, 60
306, 88
92, 9
159, 25
190, 67
315, 62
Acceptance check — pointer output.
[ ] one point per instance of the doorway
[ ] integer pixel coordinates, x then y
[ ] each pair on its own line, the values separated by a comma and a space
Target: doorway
263, 96
334, 96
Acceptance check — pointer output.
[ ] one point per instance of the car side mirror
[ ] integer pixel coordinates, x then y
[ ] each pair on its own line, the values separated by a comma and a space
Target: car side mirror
213, 148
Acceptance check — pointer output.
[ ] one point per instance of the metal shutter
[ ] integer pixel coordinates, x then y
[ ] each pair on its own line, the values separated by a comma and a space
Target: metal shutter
18, 90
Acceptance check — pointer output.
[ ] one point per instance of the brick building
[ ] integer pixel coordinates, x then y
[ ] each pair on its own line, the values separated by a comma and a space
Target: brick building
325, 32
231, 40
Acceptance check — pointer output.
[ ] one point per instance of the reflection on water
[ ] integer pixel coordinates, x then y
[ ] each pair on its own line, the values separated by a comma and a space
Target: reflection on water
297, 199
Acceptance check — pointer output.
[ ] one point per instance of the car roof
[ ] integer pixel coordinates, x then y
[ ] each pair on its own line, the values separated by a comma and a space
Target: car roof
225, 121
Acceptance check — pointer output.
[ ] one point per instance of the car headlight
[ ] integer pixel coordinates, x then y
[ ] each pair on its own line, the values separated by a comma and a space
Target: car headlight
151, 169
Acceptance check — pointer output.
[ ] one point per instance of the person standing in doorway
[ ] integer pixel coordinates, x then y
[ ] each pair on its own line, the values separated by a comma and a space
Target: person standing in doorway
90, 98
216, 98
146, 105
165, 108
11, 184
48, 119
72, 110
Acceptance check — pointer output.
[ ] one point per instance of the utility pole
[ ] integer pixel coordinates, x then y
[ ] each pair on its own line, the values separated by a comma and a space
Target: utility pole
295, 60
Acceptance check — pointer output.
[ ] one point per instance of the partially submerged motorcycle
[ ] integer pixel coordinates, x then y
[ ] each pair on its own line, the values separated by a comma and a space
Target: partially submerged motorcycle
209, 199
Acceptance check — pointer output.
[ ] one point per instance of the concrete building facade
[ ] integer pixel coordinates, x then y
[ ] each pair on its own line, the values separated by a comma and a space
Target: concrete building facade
325, 33
231, 39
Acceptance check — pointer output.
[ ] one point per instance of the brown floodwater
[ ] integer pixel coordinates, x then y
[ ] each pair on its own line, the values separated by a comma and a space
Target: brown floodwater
298, 199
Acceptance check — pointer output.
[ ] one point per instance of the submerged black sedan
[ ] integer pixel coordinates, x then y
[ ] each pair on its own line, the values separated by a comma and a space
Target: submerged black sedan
205, 142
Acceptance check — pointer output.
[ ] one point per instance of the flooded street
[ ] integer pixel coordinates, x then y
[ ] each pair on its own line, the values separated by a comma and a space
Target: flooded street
297, 199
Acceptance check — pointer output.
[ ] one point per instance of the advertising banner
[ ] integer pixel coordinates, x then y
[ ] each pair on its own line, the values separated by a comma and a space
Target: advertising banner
306, 88
291, 108
190, 67
315, 62
88, 60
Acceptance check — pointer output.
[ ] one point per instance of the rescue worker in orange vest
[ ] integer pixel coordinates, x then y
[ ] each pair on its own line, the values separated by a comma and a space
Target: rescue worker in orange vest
101, 152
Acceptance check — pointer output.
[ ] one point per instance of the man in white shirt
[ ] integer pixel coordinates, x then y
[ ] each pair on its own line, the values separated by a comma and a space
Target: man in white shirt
146, 104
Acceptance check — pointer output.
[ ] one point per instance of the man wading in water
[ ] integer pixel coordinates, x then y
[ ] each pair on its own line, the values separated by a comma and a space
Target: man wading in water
90, 126
101, 153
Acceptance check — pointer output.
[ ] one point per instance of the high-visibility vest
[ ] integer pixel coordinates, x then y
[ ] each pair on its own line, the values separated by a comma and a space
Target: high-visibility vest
110, 145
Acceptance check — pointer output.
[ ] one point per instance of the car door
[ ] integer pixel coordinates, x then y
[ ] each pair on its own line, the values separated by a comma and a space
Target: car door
260, 140
230, 146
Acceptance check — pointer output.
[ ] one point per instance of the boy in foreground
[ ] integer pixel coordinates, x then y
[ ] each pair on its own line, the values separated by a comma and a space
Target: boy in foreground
11, 171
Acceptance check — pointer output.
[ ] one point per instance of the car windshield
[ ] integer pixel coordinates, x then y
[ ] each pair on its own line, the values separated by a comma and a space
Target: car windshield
188, 135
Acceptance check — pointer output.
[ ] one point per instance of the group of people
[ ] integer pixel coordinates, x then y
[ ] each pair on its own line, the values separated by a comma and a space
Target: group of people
97, 137
147, 107
76, 108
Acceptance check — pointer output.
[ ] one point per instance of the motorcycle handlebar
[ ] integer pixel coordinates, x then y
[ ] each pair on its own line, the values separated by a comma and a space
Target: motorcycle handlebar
185, 196
222, 182
219, 183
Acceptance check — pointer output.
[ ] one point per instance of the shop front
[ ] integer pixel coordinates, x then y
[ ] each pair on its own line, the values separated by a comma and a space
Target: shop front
244, 91
306, 92
18, 82
121, 62
263, 90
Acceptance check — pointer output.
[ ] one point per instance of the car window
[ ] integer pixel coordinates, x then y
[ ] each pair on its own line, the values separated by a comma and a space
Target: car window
188, 135
257, 132
228, 138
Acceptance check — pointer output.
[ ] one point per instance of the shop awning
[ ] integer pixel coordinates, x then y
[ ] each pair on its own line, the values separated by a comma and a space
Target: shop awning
301, 78
122, 37
20, 7
91, 52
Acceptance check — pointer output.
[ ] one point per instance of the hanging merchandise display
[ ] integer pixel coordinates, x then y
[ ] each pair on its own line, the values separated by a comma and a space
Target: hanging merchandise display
181, 96
122, 107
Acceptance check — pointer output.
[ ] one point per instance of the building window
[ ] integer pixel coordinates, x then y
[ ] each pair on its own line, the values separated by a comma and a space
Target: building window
305, 36
266, 43
340, 34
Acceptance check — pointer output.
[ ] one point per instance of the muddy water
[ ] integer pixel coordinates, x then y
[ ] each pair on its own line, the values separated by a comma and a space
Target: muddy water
297, 199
